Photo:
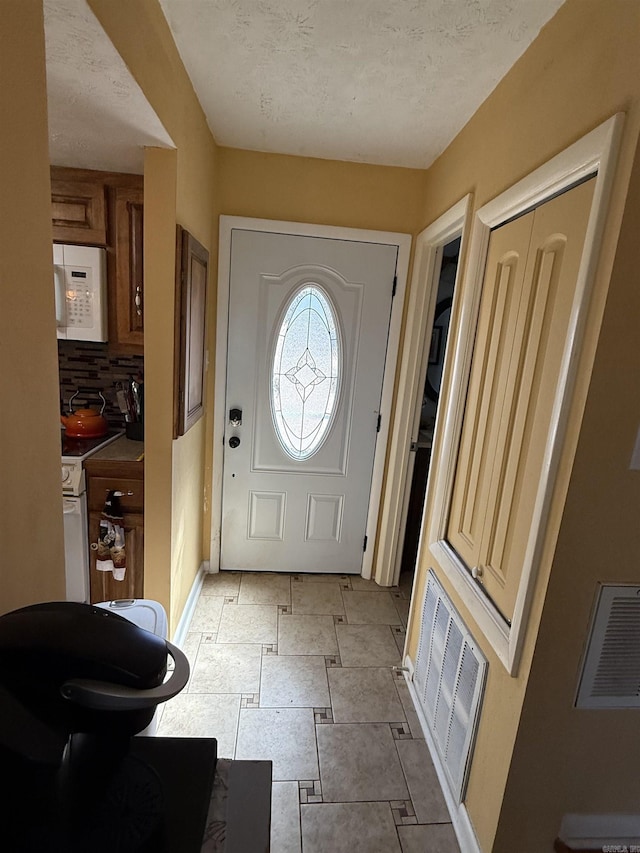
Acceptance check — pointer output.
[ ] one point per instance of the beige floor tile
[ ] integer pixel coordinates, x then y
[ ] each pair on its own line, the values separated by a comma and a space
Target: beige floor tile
264, 588
221, 583
285, 818
359, 763
294, 681
364, 695
202, 715
424, 787
227, 668
158, 716
190, 647
370, 608
306, 635
285, 736
317, 577
348, 828
248, 623
436, 838
191, 644
363, 691
206, 614
367, 645
316, 598
409, 709
402, 606
358, 582
400, 636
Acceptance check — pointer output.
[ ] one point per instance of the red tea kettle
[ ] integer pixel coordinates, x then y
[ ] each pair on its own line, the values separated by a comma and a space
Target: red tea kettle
85, 423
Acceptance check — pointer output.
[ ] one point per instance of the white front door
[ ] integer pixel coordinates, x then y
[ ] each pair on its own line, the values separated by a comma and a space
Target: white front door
307, 342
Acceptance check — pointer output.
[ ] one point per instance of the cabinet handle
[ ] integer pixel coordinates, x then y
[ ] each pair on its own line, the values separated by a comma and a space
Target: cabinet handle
138, 301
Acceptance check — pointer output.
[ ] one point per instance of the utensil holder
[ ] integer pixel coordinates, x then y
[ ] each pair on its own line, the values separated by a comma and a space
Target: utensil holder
135, 430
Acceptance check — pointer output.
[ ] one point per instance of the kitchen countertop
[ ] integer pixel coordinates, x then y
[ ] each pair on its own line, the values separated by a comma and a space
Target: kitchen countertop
123, 449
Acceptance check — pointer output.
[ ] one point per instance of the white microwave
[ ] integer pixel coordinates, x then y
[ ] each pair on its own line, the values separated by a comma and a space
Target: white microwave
80, 282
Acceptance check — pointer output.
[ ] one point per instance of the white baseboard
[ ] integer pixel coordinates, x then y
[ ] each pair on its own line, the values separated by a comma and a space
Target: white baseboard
462, 825
180, 634
601, 830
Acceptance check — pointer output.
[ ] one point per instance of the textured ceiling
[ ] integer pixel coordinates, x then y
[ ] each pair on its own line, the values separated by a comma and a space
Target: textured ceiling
376, 81
98, 115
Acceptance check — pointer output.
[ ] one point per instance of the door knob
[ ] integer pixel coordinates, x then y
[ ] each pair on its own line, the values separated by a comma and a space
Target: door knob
234, 441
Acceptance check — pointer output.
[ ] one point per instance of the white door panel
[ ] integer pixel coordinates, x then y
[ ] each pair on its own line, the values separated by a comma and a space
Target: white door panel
302, 507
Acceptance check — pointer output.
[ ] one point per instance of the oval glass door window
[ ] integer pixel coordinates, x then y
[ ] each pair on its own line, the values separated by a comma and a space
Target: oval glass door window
306, 372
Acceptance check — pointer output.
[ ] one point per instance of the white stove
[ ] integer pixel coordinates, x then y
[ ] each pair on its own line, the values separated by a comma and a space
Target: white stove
74, 452
74, 503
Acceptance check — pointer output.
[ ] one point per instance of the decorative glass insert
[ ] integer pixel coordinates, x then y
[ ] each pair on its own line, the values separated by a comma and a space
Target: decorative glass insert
306, 371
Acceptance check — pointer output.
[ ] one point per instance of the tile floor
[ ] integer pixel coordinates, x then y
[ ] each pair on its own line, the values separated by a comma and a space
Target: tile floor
297, 669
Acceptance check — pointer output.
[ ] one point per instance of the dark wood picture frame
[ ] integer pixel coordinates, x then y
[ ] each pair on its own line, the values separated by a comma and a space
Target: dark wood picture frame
192, 267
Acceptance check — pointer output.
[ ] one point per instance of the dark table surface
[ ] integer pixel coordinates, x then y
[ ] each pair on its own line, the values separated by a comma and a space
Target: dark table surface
168, 795
156, 801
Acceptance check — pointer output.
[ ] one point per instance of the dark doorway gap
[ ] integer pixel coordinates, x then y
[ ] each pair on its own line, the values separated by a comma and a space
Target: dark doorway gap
437, 346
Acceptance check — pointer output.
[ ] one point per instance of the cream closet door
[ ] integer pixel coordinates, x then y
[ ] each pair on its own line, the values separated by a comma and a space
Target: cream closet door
504, 277
308, 327
528, 291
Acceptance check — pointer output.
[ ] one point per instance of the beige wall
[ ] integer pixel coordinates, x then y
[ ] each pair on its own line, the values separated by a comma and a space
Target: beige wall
325, 192
593, 766
583, 68
174, 470
160, 169
32, 555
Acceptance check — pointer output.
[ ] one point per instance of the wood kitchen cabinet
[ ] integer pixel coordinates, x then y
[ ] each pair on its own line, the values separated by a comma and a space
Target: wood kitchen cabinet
78, 208
95, 208
126, 477
126, 296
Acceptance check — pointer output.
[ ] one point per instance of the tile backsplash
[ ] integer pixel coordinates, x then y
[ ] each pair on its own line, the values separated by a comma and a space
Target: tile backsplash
89, 368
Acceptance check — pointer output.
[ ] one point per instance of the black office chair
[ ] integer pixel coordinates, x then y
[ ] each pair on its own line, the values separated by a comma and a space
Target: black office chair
76, 683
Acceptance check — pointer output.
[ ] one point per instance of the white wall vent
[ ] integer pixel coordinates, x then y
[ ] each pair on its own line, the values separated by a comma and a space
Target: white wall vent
611, 671
449, 679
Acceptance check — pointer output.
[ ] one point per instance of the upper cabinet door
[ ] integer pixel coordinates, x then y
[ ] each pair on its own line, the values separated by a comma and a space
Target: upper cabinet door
78, 212
526, 303
128, 289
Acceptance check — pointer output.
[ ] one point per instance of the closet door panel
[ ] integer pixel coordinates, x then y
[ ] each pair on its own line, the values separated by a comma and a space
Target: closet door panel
542, 326
490, 374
